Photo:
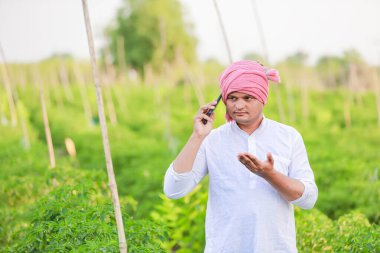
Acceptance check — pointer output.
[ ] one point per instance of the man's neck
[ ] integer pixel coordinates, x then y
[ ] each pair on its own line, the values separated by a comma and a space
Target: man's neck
249, 128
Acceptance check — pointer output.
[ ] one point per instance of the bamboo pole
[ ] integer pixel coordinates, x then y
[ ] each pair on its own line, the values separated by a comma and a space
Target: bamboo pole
64, 78
276, 89
83, 92
223, 32
261, 31
107, 151
24, 128
121, 56
53, 78
352, 82
194, 81
8, 89
15, 109
49, 140
109, 79
376, 82
117, 92
19, 112
122, 73
290, 98
2, 111
48, 91
109, 101
305, 98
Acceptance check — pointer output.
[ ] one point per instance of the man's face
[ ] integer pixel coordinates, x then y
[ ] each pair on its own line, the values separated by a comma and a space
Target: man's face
244, 108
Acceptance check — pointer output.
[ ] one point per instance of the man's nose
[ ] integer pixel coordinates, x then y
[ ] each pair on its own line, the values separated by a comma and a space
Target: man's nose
239, 104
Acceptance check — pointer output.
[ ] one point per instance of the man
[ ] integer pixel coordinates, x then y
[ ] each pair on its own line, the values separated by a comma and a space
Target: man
258, 169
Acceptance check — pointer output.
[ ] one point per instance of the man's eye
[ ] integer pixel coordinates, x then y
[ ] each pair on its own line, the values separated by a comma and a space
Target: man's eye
248, 98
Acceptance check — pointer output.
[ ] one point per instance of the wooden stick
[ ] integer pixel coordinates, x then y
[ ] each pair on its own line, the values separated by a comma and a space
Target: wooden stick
376, 81
64, 78
24, 128
305, 99
8, 89
109, 79
261, 31
352, 82
48, 137
276, 89
53, 79
107, 151
83, 92
280, 107
121, 55
109, 101
15, 109
223, 32
117, 92
290, 98
194, 82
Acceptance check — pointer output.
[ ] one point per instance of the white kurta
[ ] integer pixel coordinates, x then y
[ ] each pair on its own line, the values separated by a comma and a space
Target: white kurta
245, 214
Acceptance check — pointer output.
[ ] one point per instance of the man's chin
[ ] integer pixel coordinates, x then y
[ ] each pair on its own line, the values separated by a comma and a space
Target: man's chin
241, 120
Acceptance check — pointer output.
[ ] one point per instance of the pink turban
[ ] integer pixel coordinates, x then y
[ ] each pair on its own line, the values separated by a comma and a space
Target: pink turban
249, 77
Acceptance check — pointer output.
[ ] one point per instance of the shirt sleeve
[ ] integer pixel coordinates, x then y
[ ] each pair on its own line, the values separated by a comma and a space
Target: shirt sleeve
300, 169
177, 185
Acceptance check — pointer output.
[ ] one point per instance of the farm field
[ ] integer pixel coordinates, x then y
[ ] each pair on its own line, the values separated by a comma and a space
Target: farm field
68, 208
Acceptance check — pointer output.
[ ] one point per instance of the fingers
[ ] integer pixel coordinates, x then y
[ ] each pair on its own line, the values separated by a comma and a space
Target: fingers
253, 159
251, 162
208, 106
203, 112
244, 159
204, 109
203, 117
270, 158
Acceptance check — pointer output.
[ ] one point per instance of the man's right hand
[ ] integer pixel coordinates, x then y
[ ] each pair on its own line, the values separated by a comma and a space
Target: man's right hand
201, 129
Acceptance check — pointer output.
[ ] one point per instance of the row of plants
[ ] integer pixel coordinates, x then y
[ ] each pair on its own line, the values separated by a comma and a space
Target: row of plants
153, 123
316, 232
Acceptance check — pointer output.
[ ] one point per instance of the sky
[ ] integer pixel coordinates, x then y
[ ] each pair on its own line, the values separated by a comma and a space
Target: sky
31, 30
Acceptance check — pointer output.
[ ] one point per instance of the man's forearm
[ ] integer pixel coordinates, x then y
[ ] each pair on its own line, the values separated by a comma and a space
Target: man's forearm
185, 160
291, 189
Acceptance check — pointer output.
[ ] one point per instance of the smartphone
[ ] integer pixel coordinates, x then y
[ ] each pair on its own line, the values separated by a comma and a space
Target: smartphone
211, 110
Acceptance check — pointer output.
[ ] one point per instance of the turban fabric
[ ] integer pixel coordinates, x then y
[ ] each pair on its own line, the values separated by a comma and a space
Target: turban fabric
249, 77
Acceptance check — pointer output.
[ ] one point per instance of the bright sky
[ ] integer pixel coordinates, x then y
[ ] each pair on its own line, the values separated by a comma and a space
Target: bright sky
34, 29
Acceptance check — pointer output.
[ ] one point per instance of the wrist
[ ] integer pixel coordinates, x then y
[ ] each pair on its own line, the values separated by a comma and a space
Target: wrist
270, 175
198, 136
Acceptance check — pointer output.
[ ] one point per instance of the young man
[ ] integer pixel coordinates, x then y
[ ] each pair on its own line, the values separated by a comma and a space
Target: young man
258, 169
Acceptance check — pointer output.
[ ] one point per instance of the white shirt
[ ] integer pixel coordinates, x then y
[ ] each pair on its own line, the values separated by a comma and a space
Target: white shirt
245, 214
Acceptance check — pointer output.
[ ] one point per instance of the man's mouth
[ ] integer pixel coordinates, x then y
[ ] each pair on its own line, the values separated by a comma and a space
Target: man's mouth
240, 113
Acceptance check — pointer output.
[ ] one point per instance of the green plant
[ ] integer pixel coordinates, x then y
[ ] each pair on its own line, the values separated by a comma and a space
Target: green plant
69, 219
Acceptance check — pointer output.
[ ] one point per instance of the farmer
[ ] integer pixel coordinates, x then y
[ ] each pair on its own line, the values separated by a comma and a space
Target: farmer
258, 168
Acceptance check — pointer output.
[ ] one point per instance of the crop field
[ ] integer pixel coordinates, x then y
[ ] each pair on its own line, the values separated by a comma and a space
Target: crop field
68, 208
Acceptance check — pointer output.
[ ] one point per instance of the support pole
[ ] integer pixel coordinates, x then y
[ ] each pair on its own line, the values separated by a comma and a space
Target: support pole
223, 31
103, 125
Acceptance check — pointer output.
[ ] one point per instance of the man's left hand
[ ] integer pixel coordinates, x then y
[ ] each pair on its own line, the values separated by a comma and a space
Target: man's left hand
262, 169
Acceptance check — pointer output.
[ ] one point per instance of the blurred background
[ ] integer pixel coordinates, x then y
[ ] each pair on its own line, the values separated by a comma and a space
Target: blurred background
159, 61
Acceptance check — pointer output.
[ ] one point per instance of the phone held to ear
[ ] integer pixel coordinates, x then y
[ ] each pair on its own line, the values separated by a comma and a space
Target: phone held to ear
209, 112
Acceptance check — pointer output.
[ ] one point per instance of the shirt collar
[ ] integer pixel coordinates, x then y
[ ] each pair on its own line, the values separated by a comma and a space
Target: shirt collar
256, 133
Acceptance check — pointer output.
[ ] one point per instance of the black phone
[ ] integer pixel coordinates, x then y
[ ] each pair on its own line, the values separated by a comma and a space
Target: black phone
209, 112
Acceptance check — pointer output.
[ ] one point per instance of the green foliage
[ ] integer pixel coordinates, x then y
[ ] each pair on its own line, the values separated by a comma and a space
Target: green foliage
185, 221
350, 233
153, 32
316, 232
153, 124
356, 234
70, 220
312, 231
